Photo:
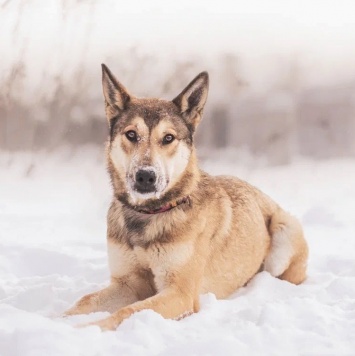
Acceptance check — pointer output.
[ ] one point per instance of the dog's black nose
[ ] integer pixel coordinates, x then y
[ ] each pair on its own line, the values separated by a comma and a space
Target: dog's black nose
145, 181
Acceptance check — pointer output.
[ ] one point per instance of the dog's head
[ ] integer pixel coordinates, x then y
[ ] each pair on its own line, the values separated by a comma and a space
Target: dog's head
151, 139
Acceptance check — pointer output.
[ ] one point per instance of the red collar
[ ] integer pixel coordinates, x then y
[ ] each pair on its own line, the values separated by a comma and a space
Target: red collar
167, 206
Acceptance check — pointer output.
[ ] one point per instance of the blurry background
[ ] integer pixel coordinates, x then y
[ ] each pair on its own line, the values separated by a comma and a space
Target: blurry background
282, 73
280, 114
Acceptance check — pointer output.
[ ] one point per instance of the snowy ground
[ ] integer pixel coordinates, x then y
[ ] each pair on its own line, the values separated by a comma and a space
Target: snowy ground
52, 251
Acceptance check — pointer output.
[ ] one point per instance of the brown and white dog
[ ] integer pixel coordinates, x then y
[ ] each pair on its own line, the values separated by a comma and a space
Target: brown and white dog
173, 231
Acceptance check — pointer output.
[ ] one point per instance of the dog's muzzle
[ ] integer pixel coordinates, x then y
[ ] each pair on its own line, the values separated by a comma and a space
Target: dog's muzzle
145, 180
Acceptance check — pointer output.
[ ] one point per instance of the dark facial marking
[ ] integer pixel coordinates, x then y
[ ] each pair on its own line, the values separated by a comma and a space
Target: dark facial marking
152, 111
113, 122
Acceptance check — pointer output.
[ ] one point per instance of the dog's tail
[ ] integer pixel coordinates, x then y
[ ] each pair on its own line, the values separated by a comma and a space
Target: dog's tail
288, 253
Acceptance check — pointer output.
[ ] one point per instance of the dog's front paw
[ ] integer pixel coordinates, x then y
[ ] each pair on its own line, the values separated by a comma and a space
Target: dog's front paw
105, 324
70, 312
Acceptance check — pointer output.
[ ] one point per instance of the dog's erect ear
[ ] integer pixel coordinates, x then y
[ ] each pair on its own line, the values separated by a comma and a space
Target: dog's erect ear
193, 98
116, 95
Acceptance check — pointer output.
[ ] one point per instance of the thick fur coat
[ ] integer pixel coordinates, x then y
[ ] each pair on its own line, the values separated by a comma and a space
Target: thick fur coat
173, 231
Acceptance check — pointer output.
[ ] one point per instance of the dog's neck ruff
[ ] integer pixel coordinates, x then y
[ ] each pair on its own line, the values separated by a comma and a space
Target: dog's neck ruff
166, 207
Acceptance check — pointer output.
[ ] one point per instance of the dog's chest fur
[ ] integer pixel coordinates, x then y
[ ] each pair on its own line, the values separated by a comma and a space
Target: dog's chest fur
159, 260
135, 230
151, 244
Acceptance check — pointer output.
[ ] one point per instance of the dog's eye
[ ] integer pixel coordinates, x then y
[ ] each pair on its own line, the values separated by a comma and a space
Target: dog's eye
131, 136
168, 139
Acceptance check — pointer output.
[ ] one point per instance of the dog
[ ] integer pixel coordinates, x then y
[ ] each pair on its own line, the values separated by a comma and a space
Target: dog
173, 231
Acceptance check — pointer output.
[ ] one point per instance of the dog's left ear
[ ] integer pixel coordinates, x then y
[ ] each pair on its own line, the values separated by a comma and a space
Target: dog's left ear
192, 99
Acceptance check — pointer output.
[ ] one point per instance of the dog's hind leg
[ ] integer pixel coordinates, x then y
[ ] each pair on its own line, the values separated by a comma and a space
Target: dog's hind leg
288, 253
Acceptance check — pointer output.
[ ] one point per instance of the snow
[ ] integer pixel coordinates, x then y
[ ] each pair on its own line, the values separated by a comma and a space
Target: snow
52, 251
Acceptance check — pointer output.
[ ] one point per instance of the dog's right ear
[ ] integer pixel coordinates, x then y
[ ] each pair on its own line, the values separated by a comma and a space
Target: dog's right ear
116, 95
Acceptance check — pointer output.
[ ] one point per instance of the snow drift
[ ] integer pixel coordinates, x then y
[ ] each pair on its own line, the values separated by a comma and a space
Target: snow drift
52, 251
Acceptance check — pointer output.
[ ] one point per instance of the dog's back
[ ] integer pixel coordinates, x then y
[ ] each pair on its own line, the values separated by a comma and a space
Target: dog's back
246, 231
